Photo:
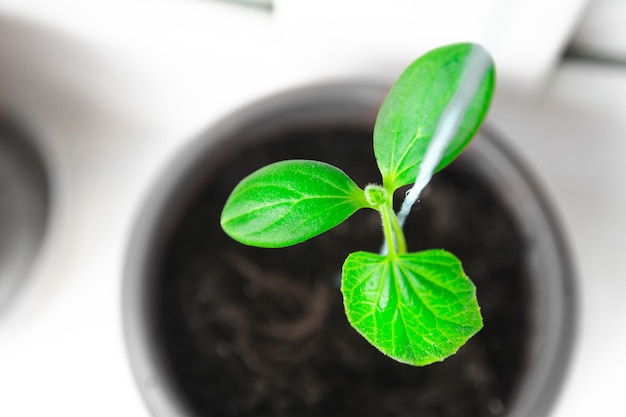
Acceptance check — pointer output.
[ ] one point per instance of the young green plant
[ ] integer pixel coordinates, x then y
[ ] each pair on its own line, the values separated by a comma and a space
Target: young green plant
418, 308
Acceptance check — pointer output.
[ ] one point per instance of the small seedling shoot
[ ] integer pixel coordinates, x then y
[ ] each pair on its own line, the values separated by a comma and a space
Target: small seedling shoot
416, 307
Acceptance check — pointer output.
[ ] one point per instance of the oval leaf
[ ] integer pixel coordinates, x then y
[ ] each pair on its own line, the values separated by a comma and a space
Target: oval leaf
410, 114
289, 202
418, 308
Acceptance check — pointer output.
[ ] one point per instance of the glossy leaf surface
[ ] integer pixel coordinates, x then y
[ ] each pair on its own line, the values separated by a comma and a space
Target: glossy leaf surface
409, 115
289, 202
418, 308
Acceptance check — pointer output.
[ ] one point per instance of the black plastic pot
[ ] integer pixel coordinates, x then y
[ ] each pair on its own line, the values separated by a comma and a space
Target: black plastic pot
25, 206
181, 311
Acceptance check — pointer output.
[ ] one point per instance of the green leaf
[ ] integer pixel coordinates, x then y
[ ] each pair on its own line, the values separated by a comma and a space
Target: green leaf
289, 202
418, 308
410, 113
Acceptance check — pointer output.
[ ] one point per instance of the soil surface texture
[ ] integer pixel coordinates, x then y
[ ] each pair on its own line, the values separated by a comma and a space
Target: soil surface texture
262, 332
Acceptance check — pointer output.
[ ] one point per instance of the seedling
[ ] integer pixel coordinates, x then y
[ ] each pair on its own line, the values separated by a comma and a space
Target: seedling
419, 307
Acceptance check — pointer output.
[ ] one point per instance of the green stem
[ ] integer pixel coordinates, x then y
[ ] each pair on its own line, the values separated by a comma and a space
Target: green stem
388, 229
397, 232
379, 198
394, 237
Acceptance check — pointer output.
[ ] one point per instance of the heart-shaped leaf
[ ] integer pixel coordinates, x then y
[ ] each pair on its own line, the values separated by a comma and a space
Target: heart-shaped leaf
418, 308
410, 114
289, 202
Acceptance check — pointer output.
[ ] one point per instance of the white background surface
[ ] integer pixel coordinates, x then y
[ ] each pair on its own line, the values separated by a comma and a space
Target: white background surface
114, 89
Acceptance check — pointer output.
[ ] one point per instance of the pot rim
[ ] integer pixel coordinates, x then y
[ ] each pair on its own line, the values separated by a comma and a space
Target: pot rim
28, 187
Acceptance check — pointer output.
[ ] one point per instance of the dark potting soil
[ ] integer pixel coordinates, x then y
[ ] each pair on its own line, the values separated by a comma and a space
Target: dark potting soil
262, 332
